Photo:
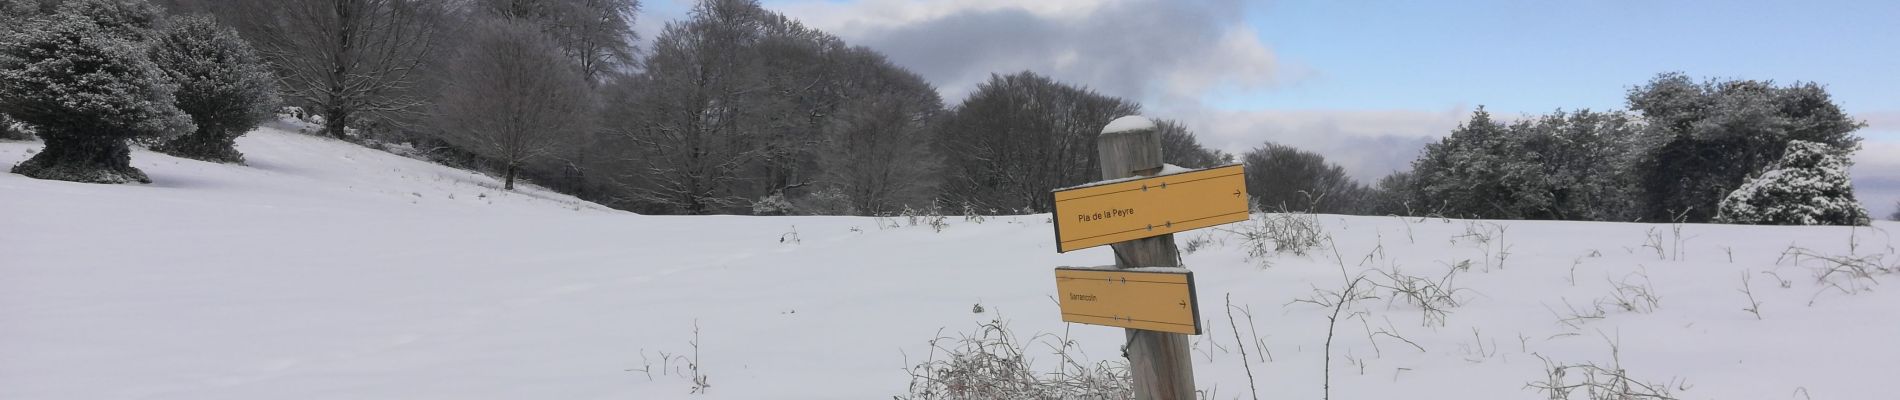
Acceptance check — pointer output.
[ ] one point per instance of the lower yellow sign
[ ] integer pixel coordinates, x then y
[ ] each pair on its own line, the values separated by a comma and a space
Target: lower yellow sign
1155, 299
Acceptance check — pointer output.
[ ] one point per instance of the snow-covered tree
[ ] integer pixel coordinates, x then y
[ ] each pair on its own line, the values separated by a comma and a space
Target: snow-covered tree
1391, 196
512, 97
13, 15
133, 20
17, 11
222, 84
85, 91
1896, 212
1808, 186
1562, 166
1704, 139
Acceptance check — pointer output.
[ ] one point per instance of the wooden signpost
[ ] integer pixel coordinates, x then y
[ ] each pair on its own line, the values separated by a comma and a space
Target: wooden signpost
1145, 290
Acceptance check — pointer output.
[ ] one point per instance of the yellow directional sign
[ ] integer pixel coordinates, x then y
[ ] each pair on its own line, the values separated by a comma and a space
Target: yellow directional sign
1099, 214
1139, 298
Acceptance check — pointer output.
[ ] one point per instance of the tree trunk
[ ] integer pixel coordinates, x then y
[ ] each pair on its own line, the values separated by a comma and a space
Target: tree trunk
83, 159
337, 116
336, 122
508, 178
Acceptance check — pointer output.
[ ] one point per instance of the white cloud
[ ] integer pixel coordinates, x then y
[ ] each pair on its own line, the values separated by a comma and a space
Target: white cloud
1238, 61
1368, 143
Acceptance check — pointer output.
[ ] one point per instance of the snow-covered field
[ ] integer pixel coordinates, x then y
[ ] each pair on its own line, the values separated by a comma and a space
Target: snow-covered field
323, 270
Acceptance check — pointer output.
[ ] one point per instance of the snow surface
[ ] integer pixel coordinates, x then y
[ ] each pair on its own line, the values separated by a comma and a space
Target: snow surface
323, 270
1128, 123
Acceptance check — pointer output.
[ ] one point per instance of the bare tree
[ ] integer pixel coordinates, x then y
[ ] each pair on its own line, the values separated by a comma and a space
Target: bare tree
512, 97
348, 59
682, 125
878, 152
1283, 178
1180, 147
597, 34
739, 105
1020, 136
600, 38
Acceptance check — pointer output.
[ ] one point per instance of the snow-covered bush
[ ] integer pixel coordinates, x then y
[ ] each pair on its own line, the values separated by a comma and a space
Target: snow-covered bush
1807, 186
774, 204
1896, 212
222, 83
10, 130
85, 91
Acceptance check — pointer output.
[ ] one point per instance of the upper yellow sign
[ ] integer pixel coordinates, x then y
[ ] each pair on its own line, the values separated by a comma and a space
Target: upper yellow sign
1150, 300
1095, 215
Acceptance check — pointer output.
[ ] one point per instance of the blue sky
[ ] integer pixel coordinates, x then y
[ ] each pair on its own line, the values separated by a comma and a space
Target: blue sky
1535, 56
1368, 83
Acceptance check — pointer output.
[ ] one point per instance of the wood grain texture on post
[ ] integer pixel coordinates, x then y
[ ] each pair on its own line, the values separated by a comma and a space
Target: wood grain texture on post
1162, 367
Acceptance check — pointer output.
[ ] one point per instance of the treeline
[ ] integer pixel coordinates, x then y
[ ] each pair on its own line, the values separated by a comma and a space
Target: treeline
736, 109
1732, 151
1739, 151
741, 110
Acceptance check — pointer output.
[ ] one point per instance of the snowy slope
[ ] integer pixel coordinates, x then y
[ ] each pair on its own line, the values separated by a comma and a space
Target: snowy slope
323, 270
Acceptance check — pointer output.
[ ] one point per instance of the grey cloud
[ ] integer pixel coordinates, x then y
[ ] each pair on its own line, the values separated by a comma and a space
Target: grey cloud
1165, 54
1129, 49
